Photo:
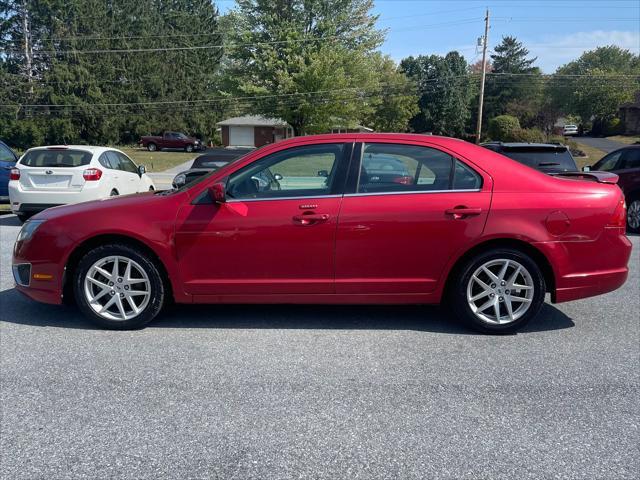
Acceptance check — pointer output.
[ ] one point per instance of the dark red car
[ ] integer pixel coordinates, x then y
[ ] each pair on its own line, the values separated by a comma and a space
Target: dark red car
460, 225
625, 162
171, 140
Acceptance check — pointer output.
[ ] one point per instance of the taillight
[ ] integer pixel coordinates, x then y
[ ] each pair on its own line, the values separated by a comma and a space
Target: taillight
619, 218
14, 174
92, 174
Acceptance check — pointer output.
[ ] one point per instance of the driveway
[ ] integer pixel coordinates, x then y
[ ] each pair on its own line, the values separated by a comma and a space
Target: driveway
319, 392
603, 144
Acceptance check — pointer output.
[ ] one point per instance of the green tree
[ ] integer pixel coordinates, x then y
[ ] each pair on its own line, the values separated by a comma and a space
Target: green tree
307, 61
445, 93
397, 100
596, 84
514, 86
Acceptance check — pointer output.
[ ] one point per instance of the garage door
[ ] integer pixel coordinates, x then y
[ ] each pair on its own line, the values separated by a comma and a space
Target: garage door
241, 136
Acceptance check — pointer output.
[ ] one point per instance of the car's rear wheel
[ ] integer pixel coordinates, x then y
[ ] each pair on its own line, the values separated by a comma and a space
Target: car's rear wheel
498, 291
633, 214
188, 148
119, 287
114, 193
152, 147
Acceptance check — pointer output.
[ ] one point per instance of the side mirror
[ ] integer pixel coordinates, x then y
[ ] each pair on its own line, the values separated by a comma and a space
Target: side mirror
323, 173
278, 177
586, 168
142, 170
218, 192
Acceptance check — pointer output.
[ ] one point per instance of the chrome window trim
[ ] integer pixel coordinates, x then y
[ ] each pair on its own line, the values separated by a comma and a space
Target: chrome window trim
412, 192
368, 194
268, 199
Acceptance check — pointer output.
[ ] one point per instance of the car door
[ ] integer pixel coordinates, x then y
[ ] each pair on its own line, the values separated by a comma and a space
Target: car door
629, 170
396, 234
7, 162
276, 232
128, 173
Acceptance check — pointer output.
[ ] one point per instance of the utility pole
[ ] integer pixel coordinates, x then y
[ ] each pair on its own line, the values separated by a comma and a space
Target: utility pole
28, 51
485, 41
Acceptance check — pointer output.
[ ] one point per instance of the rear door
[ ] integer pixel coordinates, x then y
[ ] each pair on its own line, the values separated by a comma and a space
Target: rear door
395, 235
7, 162
128, 178
629, 170
54, 169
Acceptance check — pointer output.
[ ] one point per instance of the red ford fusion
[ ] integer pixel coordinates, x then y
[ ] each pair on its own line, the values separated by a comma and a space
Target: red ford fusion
338, 219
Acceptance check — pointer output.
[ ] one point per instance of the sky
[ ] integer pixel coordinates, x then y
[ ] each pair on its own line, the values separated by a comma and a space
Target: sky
556, 31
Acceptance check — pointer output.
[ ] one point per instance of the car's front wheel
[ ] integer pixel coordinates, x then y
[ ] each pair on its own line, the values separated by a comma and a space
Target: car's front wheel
188, 148
633, 215
498, 291
119, 287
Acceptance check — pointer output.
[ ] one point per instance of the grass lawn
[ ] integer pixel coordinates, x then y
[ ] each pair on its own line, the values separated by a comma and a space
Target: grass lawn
628, 139
593, 155
157, 161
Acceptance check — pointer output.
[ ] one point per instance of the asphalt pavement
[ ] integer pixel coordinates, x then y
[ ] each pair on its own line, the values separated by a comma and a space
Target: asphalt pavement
319, 392
603, 144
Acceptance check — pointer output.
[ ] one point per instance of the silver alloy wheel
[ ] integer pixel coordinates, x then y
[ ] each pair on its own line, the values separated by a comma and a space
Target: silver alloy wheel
633, 215
117, 288
500, 291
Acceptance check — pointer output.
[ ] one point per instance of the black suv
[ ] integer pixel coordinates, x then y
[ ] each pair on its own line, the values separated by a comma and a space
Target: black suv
546, 157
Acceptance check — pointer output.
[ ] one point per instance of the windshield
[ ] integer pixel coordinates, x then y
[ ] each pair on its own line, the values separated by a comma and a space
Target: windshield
559, 160
56, 158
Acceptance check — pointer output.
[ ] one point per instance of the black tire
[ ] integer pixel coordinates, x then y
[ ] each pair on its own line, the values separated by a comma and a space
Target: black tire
152, 147
151, 189
633, 202
23, 217
188, 148
157, 286
114, 193
457, 295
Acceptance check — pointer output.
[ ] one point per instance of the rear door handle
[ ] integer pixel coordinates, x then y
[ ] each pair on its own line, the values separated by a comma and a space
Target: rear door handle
310, 218
462, 212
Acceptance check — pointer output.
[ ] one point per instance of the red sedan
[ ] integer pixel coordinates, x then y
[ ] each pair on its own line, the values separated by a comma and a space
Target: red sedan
342, 219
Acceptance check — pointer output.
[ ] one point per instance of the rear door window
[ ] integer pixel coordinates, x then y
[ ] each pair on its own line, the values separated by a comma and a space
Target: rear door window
105, 161
56, 158
631, 158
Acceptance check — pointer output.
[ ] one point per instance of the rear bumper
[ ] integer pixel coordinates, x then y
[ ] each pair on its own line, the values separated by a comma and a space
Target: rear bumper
586, 269
31, 201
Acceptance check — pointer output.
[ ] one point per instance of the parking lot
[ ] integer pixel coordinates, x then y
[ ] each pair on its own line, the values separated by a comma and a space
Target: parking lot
319, 391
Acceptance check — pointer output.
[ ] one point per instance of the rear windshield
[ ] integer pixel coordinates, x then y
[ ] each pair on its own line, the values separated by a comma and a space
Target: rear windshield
543, 159
56, 158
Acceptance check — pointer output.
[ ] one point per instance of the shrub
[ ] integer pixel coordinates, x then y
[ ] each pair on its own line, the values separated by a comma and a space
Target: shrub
529, 135
503, 127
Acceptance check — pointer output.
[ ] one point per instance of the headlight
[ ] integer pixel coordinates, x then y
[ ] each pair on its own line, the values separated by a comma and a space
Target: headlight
28, 229
180, 180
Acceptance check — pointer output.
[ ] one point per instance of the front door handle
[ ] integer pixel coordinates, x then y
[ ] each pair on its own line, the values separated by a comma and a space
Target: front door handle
461, 212
310, 218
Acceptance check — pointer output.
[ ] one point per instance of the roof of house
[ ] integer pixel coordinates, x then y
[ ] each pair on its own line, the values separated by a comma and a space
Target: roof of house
253, 121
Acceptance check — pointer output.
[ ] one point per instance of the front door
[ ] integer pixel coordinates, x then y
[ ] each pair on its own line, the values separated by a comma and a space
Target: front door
412, 207
276, 232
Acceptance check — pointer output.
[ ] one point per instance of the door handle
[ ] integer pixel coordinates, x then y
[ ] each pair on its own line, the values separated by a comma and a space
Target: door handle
461, 212
310, 218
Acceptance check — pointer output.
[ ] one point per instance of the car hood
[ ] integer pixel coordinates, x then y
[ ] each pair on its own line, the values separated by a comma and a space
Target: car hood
121, 203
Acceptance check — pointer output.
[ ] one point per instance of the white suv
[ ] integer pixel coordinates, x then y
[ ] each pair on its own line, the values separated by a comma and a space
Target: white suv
58, 175
570, 130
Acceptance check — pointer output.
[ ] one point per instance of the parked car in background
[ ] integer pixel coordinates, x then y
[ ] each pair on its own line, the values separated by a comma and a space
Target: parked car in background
474, 230
625, 162
7, 162
569, 130
208, 162
546, 157
172, 140
58, 175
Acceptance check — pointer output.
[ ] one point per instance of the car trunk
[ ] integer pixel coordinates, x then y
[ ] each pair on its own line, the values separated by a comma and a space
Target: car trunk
54, 169
52, 178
